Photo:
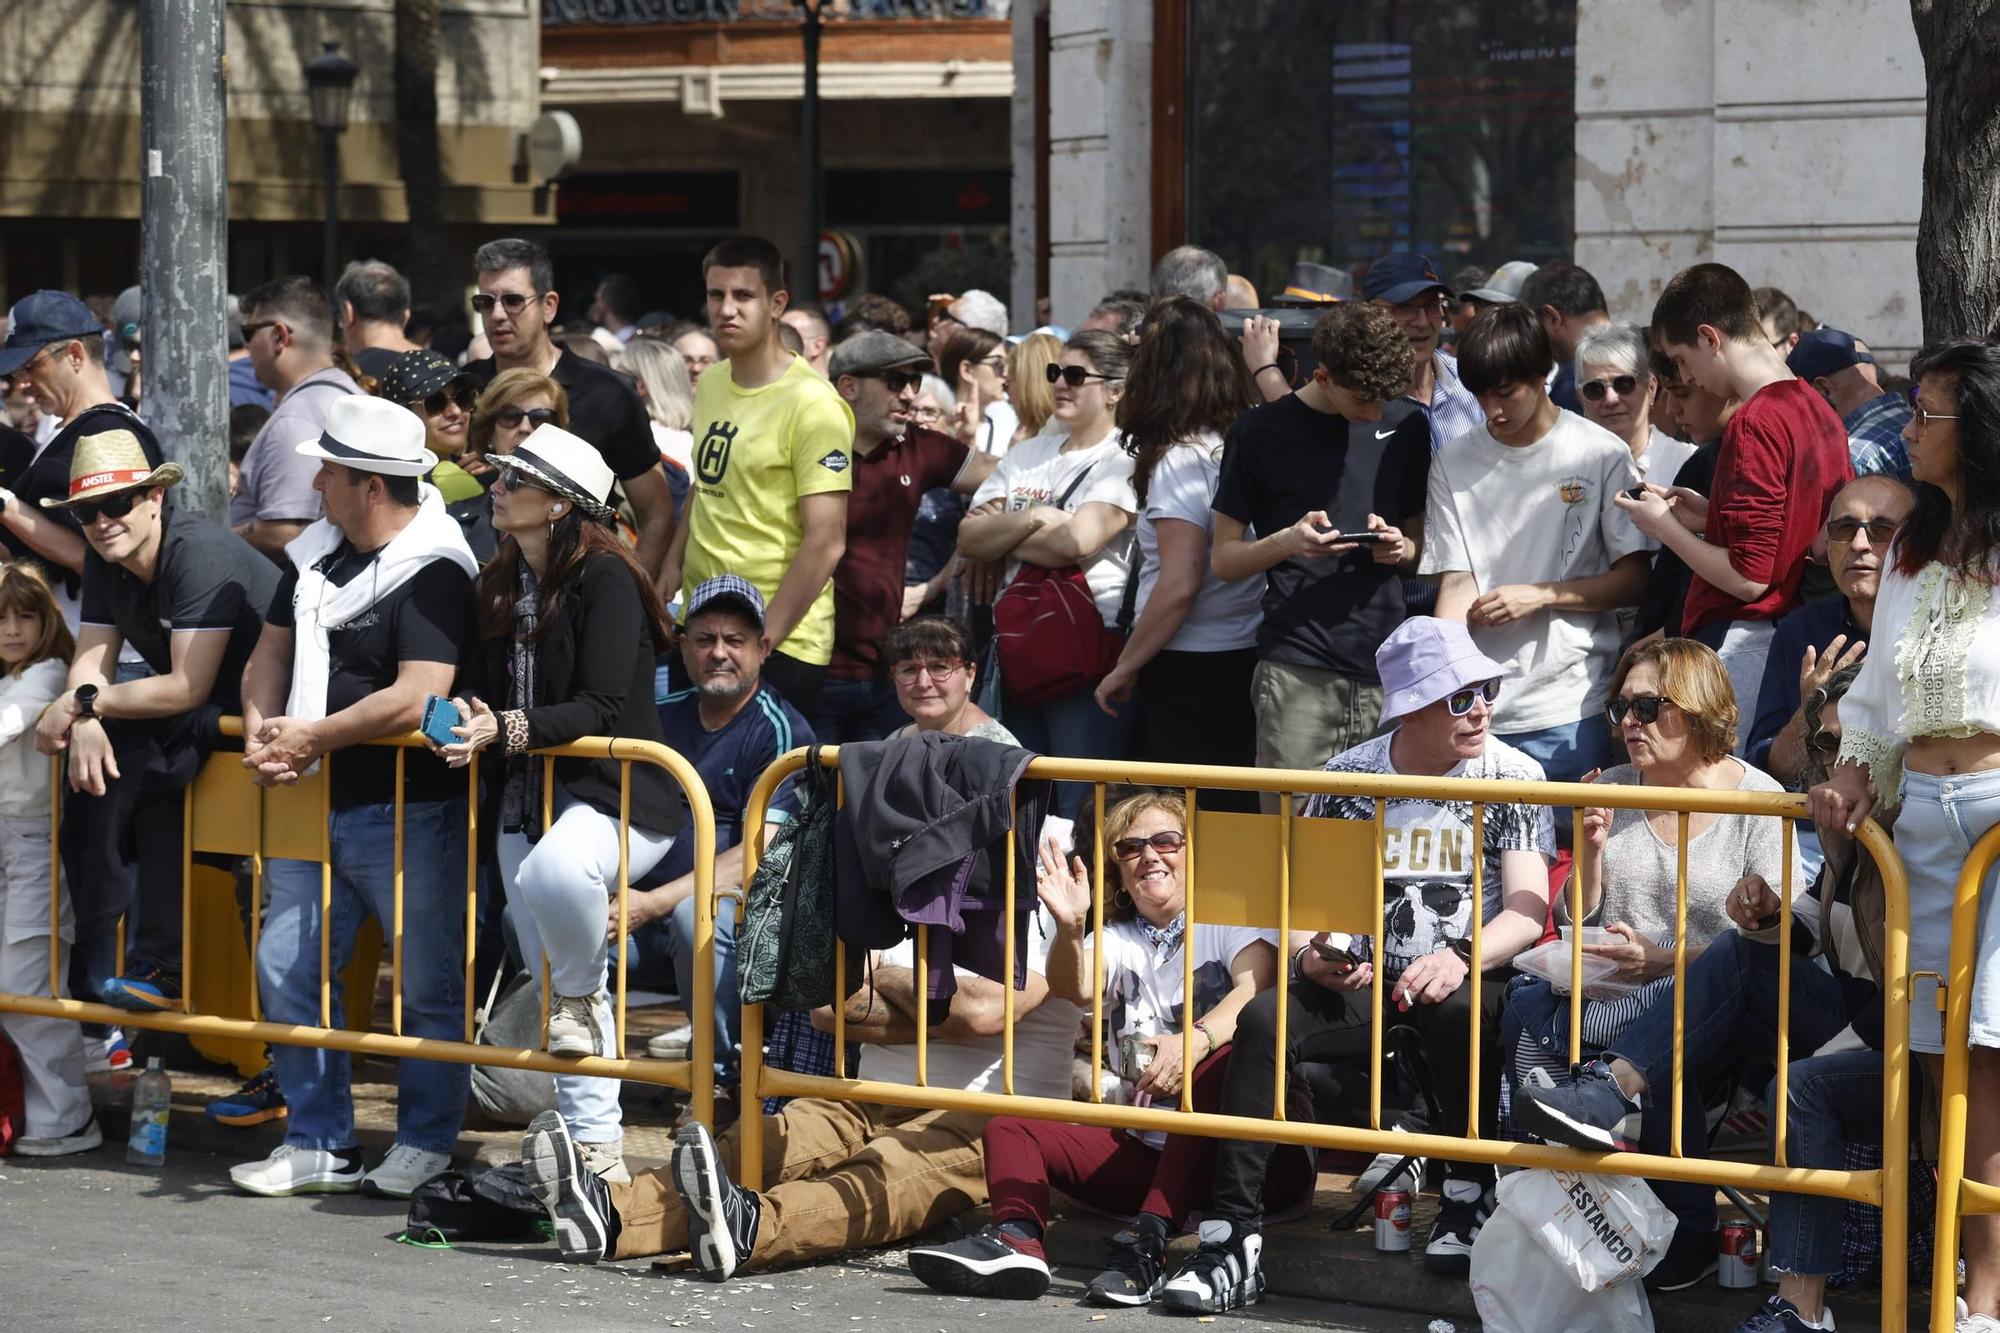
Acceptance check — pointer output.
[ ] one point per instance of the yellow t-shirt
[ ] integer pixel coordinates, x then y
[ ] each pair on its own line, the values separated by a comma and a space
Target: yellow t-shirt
756, 452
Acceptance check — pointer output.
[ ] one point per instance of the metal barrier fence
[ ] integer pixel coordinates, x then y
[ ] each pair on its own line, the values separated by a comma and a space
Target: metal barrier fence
1266, 856
225, 812
1958, 1197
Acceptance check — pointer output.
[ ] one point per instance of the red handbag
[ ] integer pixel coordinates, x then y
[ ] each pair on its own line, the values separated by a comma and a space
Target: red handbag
1049, 635
13, 1098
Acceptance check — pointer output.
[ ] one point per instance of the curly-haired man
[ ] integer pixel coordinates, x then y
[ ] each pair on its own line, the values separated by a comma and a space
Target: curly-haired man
1532, 552
1332, 480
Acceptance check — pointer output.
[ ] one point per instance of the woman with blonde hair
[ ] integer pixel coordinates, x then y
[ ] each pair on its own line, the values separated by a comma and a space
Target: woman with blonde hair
1028, 380
513, 405
667, 390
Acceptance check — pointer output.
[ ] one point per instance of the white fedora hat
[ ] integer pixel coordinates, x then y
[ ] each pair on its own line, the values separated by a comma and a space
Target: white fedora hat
565, 464
372, 435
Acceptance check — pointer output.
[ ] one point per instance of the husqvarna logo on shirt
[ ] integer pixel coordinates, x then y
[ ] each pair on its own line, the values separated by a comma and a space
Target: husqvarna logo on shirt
711, 457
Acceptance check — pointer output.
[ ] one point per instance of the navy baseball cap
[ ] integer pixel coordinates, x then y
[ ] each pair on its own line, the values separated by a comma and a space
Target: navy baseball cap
41, 318
1826, 352
1399, 276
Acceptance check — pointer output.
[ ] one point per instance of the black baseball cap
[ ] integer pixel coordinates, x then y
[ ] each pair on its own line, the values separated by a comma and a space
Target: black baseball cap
41, 318
1401, 276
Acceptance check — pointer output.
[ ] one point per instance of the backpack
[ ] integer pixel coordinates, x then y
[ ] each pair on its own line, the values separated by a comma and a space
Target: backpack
784, 950
494, 1205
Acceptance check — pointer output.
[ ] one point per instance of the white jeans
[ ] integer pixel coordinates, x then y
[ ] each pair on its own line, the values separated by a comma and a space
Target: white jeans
58, 1098
558, 889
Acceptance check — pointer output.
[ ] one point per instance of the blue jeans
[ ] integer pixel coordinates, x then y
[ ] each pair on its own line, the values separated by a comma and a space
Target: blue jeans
1835, 1100
1073, 727
728, 1016
1732, 1012
1568, 751
430, 1094
857, 710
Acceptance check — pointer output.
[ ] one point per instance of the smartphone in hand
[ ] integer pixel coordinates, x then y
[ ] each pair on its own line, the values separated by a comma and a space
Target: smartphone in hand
440, 716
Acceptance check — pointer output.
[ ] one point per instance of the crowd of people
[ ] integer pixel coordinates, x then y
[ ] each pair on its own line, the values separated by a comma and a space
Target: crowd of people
1477, 530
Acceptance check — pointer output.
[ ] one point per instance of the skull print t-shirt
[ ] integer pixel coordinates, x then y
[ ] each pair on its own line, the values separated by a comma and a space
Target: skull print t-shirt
1428, 848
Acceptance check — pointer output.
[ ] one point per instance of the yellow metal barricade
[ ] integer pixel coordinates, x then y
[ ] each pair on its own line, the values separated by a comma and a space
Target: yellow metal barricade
1957, 1197
1268, 857
227, 813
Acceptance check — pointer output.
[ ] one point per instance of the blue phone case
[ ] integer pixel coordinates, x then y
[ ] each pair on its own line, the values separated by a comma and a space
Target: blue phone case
439, 718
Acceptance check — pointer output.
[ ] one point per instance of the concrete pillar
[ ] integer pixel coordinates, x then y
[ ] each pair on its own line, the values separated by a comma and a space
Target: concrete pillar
1023, 238
1100, 151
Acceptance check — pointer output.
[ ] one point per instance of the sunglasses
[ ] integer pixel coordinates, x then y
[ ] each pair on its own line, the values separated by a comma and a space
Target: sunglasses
1594, 389
463, 395
510, 417
256, 327
1075, 376
1645, 707
116, 506
1845, 530
897, 380
1459, 703
1166, 840
512, 302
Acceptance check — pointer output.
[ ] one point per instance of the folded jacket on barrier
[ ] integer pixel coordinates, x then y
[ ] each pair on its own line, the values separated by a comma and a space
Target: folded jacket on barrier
921, 841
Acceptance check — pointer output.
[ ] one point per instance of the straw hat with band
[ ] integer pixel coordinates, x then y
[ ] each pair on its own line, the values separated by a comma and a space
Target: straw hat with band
562, 464
108, 462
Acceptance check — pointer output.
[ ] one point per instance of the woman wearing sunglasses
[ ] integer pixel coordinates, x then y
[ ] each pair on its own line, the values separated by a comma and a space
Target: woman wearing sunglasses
443, 395
514, 405
1160, 1177
1615, 384
930, 661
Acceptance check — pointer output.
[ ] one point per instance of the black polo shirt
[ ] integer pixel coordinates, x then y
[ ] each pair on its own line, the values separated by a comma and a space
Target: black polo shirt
45, 476
604, 409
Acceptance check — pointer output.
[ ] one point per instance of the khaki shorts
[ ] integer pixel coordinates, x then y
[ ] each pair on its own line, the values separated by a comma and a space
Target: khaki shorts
1306, 715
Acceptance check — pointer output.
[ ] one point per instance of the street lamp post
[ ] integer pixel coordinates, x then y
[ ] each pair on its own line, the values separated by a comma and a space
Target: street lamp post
330, 81
805, 282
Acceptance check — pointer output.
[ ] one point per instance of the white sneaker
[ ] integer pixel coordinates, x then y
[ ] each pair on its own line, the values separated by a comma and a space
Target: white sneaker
573, 1026
606, 1161
672, 1045
293, 1170
1974, 1323
1377, 1174
62, 1145
403, 1170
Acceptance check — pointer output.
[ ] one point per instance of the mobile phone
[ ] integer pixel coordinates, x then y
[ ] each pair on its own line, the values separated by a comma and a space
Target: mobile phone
1366, 537
440, 716
1337, 947
1638, 492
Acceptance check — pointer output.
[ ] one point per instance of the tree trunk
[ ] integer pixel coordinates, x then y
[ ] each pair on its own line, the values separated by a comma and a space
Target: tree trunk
1958, 238
427, 261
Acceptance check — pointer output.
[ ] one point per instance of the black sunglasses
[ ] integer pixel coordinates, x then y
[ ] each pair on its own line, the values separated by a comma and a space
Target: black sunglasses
1075, 376
1594, 389
1645, 707
115, 506
462, 394
511, 417
897, 380
513, 301
1880, 530
1166, 840
1459, 702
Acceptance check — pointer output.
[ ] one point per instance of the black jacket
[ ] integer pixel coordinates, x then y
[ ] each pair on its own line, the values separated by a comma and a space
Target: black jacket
594, 677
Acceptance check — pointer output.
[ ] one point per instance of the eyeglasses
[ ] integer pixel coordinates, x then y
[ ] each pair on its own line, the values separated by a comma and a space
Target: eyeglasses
1923, 418
257, 326
927, 413
1459, 703
1845, 530
37, 359
1624, 385
1645, 707
1166, 840
906, 673
1076, 376
115, 506
510, 417
897, 380
512, 301
461, 394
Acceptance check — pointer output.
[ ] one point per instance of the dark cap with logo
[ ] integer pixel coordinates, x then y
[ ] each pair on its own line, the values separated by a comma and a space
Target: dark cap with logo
41, 318
1826, 352
1401, 276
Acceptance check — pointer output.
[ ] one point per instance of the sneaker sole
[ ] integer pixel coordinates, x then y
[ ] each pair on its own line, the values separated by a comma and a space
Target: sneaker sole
1450, 1263
60, 1148
1682, 1284
320, 1184
1546, 1122
571, 1046
1119, 1299
548, 1160
698, 1176
1236, 1298
248, 1118
1016, 1278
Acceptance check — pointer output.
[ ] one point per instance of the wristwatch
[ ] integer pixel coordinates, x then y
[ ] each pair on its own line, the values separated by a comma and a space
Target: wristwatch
86, 701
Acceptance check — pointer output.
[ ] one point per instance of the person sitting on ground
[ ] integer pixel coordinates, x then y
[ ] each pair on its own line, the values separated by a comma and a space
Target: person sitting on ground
838, 1175
930, 660
1161, 1177
571, 628
1677, 717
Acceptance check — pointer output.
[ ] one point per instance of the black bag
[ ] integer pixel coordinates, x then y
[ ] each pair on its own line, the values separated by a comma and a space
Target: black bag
784, 952
494, 1205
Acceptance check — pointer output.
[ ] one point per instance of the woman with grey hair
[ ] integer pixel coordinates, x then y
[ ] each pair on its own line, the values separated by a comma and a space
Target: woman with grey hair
1615, 385
667, 390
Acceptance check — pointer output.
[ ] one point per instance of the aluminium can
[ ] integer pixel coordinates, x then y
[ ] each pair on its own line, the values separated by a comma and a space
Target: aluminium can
1392, 1220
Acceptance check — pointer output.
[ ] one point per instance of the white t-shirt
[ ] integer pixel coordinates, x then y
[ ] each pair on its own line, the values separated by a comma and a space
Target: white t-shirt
1044, 1038
1537, 513
1224, 615
1661, 462
677, 445
1037, 471
996, 432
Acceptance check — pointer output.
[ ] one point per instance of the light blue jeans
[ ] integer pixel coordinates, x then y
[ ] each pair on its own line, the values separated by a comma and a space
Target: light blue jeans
728, 1016
1942, 817
1568, 751
430, 1094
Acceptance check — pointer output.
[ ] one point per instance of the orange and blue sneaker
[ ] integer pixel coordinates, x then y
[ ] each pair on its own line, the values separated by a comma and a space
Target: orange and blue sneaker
256, 1102
147, 987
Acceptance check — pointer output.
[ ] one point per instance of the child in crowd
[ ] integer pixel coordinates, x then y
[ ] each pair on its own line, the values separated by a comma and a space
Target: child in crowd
35, 647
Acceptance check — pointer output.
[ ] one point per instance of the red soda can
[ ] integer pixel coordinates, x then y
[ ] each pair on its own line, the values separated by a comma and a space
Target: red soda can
1392, 1220
1736, 1265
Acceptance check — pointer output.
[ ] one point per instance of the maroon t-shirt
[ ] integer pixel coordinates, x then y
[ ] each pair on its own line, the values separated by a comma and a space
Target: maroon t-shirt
1783, 456
868, 581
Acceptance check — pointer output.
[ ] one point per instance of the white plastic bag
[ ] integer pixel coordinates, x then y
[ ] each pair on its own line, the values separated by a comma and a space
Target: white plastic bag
1561, 1250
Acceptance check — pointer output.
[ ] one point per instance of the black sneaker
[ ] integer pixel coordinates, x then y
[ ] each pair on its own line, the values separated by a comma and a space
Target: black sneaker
1461, 1213
1222, 1274
988, 1263
722, 1215
1689, 1259
1778, 1315
1592, 1112
578, 1203
1131, 1273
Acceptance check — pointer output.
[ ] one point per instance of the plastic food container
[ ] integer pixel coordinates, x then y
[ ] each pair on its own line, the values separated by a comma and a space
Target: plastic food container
1551, 962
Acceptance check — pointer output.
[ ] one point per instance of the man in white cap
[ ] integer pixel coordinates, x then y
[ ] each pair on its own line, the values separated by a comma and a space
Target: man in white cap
1439, 690
372, 618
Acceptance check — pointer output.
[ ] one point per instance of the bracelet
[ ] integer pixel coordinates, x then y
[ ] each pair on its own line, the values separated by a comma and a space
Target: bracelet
1261, 369
1202, 1028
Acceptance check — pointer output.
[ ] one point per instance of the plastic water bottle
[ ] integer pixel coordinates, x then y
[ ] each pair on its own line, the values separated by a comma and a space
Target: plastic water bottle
152, 1098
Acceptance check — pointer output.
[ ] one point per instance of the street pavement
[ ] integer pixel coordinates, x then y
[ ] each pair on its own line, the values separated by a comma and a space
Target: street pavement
88, 1243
